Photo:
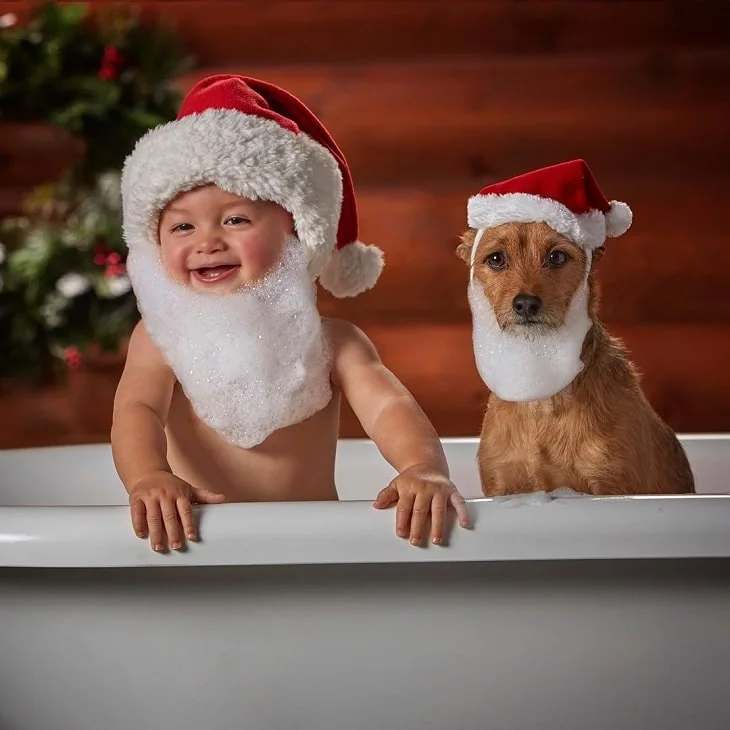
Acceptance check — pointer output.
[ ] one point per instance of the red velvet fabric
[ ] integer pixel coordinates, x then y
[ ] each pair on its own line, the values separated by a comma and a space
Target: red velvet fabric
268, 101
570, 183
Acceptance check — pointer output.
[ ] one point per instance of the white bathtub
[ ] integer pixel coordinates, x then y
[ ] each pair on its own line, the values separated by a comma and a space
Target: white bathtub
568, 614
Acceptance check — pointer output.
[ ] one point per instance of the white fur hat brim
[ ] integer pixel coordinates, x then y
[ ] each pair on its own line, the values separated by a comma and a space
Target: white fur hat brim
586, 229
255, 158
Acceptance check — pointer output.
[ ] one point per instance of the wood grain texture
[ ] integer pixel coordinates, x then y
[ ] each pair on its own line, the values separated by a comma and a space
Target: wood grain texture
671, 266
333, 31
474, 118
684, 374
422, 122
432, 99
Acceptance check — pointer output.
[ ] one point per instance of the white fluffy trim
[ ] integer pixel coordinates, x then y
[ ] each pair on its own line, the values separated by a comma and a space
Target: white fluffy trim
618, 219
352, 269
243, 154
586, 229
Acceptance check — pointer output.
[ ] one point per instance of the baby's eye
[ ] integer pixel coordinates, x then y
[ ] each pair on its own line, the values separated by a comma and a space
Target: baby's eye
182, 227
236, 220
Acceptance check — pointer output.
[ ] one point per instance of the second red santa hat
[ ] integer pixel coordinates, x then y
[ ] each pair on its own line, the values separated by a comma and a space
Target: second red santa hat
565, 196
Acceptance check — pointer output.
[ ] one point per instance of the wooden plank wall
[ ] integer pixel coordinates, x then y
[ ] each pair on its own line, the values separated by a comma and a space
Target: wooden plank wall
432, 99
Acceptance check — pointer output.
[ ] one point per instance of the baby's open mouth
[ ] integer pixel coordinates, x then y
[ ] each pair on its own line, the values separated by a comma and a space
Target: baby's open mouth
212, 274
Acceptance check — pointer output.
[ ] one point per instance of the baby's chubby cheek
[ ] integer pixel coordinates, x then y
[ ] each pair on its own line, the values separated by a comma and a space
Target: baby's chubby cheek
257, 257
175, 266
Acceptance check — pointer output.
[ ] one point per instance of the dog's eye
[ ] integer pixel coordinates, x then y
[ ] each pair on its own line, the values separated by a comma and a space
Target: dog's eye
557, 258
495, 260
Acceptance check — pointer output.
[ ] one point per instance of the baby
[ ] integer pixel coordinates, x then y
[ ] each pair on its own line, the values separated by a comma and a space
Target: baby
232, 386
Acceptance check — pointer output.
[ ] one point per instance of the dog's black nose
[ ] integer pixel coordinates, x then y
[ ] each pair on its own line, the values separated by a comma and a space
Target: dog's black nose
526, 305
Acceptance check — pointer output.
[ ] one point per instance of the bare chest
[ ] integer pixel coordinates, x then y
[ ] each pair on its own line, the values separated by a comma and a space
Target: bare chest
294, 463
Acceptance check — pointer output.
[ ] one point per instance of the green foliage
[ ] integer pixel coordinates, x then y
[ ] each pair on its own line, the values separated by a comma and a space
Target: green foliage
106, 79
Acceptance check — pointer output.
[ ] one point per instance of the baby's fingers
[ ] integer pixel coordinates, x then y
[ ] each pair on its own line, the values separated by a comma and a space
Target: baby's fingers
205, 496
187, 518
403, 514
386, 497
438, 517
418, 520
139, 517
154, 524
459, 504
172, 522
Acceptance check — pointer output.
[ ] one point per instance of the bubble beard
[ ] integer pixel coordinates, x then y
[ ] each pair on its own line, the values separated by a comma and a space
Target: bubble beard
250, 362
525, 366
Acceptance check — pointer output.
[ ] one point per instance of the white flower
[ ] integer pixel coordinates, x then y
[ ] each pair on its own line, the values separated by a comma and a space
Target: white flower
8, 20
2, 253
53, 309
73, 285
118, 285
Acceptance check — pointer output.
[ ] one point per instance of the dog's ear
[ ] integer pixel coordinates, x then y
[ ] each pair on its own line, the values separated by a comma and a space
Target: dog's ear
597, 255
463, 250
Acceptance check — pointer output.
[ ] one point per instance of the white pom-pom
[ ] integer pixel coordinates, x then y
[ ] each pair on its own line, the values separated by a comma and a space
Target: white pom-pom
618, 219
352, 269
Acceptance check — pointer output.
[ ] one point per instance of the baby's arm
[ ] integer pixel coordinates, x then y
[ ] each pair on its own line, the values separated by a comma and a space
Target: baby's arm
402, 432
141, 404
159, 501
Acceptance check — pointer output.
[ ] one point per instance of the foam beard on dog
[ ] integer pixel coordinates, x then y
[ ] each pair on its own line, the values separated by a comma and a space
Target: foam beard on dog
250, 362
526, 366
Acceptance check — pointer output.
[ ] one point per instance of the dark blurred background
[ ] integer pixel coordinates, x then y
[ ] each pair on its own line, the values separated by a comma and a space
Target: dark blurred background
430, 100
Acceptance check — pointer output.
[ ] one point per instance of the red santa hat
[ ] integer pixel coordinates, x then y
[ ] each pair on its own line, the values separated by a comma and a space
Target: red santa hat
565, 196
253, 139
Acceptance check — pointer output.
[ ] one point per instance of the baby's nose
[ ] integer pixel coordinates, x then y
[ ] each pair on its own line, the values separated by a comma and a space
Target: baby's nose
210, 243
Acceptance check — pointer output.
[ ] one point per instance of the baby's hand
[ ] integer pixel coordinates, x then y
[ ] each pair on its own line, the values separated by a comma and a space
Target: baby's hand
161, 503
418, 490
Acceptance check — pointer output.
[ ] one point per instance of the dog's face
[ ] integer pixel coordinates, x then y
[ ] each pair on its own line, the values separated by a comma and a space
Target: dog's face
529, 273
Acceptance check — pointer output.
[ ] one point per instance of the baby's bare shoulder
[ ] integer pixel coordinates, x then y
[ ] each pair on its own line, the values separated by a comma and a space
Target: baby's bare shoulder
146, 374
143, 351
352, 350
343, 334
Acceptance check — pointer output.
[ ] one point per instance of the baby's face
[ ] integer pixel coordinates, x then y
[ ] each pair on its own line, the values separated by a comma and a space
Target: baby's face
215, 241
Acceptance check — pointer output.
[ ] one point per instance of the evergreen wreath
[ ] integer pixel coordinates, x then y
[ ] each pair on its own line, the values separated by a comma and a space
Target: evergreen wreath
106, 79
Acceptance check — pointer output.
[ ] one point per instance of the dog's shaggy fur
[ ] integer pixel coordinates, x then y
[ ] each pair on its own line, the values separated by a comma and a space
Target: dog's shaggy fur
599, 435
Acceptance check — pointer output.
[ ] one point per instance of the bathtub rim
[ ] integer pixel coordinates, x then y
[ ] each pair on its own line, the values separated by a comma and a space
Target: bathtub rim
352, 532
330, 533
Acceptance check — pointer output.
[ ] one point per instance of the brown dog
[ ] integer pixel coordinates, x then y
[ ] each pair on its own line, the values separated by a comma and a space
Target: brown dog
597, 435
